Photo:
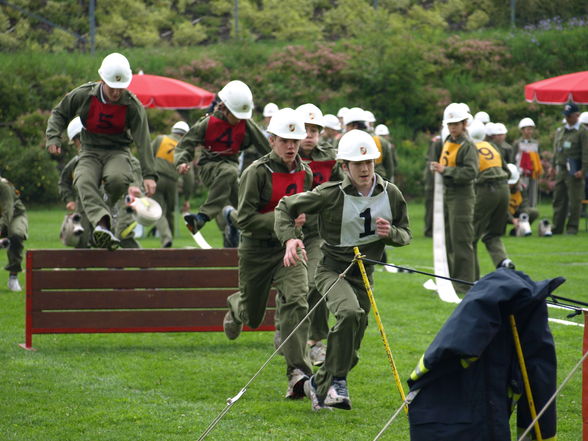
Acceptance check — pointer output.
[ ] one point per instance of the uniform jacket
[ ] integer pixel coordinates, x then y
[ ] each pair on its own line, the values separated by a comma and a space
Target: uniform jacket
10, 206
255, 192
571, 143
327, 200
466, 167
195, 139
469, 377
136, 128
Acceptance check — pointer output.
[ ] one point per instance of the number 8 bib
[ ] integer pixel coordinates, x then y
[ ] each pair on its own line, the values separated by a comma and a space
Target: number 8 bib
358, 223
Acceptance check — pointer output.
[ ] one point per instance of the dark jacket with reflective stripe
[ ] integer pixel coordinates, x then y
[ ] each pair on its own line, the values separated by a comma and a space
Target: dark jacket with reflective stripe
469, 377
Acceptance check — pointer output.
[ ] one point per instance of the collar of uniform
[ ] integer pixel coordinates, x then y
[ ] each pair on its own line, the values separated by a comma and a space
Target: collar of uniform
97, 92
220, 115
461, 138
349, 188
574, 127
276, 161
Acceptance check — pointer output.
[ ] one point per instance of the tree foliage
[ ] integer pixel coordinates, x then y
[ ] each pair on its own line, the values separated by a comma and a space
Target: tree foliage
145, 23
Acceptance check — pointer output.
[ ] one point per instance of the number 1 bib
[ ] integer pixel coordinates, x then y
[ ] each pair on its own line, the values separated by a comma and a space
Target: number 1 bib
358, 222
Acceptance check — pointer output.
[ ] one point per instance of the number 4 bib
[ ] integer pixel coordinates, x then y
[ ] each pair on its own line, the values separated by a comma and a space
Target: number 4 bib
358, 222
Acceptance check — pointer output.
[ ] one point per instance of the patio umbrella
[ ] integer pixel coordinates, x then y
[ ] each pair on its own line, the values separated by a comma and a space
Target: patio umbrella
559, 90
159, 92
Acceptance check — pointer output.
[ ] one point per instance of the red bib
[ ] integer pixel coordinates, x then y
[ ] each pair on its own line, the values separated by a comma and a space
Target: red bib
284, 184
223, 138
107, 119
321, 171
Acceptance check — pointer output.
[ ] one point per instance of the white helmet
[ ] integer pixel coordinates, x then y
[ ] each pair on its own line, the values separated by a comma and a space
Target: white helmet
71, 230
382, 130
332, 122
490, 129
500, 129
269, 109
146, 211
312, 114
237, 97
357, 145
355, 114
455, 112
444, 132
116, 71
526, 122
180, 127
583, 118
483, 117
369, 117
74, 128
514, 174
342, 112
477, 130
287, 123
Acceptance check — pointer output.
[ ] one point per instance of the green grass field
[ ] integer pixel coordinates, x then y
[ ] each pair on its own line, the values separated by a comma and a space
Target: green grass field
171, 386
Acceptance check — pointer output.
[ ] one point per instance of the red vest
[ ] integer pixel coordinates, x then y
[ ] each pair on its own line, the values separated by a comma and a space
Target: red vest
284, 184
104, 118
223, 138
321, 171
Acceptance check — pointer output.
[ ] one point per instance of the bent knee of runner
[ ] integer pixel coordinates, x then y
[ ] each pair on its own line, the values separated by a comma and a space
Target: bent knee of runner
350, 316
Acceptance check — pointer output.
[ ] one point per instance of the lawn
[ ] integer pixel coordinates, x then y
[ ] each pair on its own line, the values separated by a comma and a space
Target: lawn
171, 386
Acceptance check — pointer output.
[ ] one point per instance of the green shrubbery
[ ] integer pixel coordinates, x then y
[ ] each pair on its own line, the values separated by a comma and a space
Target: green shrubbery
402, 70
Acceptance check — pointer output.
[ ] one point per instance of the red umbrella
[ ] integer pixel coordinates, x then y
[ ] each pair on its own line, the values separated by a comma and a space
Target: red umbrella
559, 90
168, 93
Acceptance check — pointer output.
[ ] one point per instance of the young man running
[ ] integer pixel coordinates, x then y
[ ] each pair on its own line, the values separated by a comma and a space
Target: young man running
365, 211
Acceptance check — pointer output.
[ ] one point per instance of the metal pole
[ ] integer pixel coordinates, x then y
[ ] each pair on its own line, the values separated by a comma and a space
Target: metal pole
92, 18
375, 4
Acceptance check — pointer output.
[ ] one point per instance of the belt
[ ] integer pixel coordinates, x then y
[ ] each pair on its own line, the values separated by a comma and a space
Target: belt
262, 243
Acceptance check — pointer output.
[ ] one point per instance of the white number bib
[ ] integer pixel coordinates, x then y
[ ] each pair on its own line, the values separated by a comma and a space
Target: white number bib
358, 223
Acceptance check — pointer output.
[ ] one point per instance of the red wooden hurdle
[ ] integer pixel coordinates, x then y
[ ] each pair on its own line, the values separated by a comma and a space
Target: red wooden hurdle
146, 290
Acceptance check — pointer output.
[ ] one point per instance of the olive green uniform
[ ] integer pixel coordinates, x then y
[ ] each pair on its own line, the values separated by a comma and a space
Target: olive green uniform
460, 158
261, 262
124, 222
219, 172
68, 193
319, 318
163, 147
506, 150
518, 205
109, 130
348, 301
13, 225
492, 196
570, 147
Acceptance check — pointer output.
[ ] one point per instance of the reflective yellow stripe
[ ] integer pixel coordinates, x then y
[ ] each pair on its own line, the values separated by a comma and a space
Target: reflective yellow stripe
420, 370
466, 362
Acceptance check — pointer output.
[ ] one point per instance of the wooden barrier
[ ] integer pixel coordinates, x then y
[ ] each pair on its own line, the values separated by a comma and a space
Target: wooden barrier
146, 290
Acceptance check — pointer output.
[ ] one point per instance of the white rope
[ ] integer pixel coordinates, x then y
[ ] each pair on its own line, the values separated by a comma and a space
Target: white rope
522, 437
406, 402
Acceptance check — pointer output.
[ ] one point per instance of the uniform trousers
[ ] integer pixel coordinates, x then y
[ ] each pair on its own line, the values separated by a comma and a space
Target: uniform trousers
260, 266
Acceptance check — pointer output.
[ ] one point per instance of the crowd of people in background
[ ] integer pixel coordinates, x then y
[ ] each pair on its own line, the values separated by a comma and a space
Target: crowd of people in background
295, 194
